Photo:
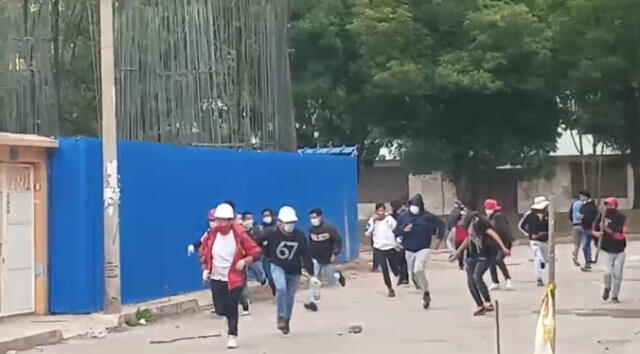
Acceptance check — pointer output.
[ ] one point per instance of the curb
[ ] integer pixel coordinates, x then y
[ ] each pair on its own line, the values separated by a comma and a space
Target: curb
113, 322
32, 341
162, 311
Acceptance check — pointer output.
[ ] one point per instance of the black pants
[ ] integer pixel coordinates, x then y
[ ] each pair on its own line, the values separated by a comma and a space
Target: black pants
476, 268
461, 255
225, 302
387, 260
401, 263
497, 261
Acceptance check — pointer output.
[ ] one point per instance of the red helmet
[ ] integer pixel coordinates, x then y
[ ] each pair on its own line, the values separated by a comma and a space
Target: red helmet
611, 202
212, 214
492, 204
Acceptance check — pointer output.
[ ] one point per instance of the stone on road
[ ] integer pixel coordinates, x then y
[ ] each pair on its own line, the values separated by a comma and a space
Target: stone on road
585, 323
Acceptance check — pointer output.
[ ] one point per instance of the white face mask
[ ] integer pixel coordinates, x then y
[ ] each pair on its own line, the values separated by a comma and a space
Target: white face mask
289, 227
414, 209
488, 212
212, 224
267, 219
315, 221
248, 224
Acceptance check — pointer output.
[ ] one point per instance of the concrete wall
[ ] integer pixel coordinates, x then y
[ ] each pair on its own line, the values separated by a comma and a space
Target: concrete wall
560, 187
439, 193
385, 181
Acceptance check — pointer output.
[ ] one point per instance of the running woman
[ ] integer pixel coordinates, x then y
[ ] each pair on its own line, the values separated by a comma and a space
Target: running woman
481, 244
286, 247
225, 253
535, 225
613, 230
414, 231
380, 227
324, 247
500, 225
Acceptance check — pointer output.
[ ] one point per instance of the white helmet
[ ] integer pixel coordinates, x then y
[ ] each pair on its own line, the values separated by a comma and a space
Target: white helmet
224, 211
287, 215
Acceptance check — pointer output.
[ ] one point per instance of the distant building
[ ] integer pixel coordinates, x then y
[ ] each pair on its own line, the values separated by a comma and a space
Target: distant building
387, 180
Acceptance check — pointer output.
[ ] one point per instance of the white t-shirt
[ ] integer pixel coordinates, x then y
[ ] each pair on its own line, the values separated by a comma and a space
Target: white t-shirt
223, 251
382, 233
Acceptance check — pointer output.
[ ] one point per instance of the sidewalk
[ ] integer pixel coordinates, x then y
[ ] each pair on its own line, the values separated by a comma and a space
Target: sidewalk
28, 332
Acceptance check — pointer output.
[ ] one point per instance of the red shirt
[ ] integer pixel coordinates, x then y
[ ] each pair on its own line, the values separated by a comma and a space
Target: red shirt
245, 246
461, 233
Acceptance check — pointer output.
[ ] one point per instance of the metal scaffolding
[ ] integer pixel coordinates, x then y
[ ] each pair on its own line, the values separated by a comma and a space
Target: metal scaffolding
213, 72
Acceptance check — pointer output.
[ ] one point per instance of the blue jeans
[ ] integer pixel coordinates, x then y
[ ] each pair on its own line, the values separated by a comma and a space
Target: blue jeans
320, 270
286, 287
255, 272
587, 236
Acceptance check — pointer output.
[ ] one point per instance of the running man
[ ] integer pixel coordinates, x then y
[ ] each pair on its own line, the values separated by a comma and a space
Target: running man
225, 253
325, 246
268, 223
483, 242
397, 209
577, 231
380, 228
414, 231
286, 247
255, 271
535, 225
500, 224
589, 213
613, 230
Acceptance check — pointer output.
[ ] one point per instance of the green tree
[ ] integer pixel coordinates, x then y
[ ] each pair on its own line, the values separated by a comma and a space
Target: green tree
598, 49
472, 81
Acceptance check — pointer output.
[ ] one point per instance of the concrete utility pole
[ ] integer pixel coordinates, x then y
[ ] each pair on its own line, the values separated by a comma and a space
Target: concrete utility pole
113, 302
552, 241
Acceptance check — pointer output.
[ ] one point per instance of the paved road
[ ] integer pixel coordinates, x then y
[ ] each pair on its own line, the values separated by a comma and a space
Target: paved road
585, 324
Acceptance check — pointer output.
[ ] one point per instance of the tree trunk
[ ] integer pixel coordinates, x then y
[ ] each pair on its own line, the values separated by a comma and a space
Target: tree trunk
600, 173
593, 183
467, 181
583, 161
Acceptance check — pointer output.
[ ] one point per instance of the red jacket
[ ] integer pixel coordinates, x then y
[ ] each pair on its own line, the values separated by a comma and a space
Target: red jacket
245, 247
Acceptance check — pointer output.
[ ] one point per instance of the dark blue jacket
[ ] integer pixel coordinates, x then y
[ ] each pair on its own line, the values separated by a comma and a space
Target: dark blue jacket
425, 225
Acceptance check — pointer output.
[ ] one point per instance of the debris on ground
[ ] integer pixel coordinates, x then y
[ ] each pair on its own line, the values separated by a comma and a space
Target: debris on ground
355, 329
179, 339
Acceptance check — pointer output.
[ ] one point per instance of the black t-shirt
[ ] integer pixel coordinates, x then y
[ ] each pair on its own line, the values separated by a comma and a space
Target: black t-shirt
289, 252
589, 212
324, 241
614, 241
480, 244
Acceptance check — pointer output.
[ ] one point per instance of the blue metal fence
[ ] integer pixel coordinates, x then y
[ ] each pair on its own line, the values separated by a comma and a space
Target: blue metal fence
166, 193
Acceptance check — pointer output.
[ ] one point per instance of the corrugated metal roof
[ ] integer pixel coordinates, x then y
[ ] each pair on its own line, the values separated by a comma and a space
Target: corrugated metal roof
342, 151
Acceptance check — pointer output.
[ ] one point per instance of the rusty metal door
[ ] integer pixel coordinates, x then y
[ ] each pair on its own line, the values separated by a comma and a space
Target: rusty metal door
17, 251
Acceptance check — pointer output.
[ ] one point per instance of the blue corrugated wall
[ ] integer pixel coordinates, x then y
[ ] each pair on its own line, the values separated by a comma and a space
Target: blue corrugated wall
166, 193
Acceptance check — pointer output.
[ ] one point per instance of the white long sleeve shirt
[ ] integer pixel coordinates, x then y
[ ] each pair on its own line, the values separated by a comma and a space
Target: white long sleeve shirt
382, 233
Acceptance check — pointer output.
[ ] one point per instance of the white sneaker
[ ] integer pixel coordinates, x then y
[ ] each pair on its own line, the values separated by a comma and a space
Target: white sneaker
246, 313
509, 286
494, 286
232, 343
